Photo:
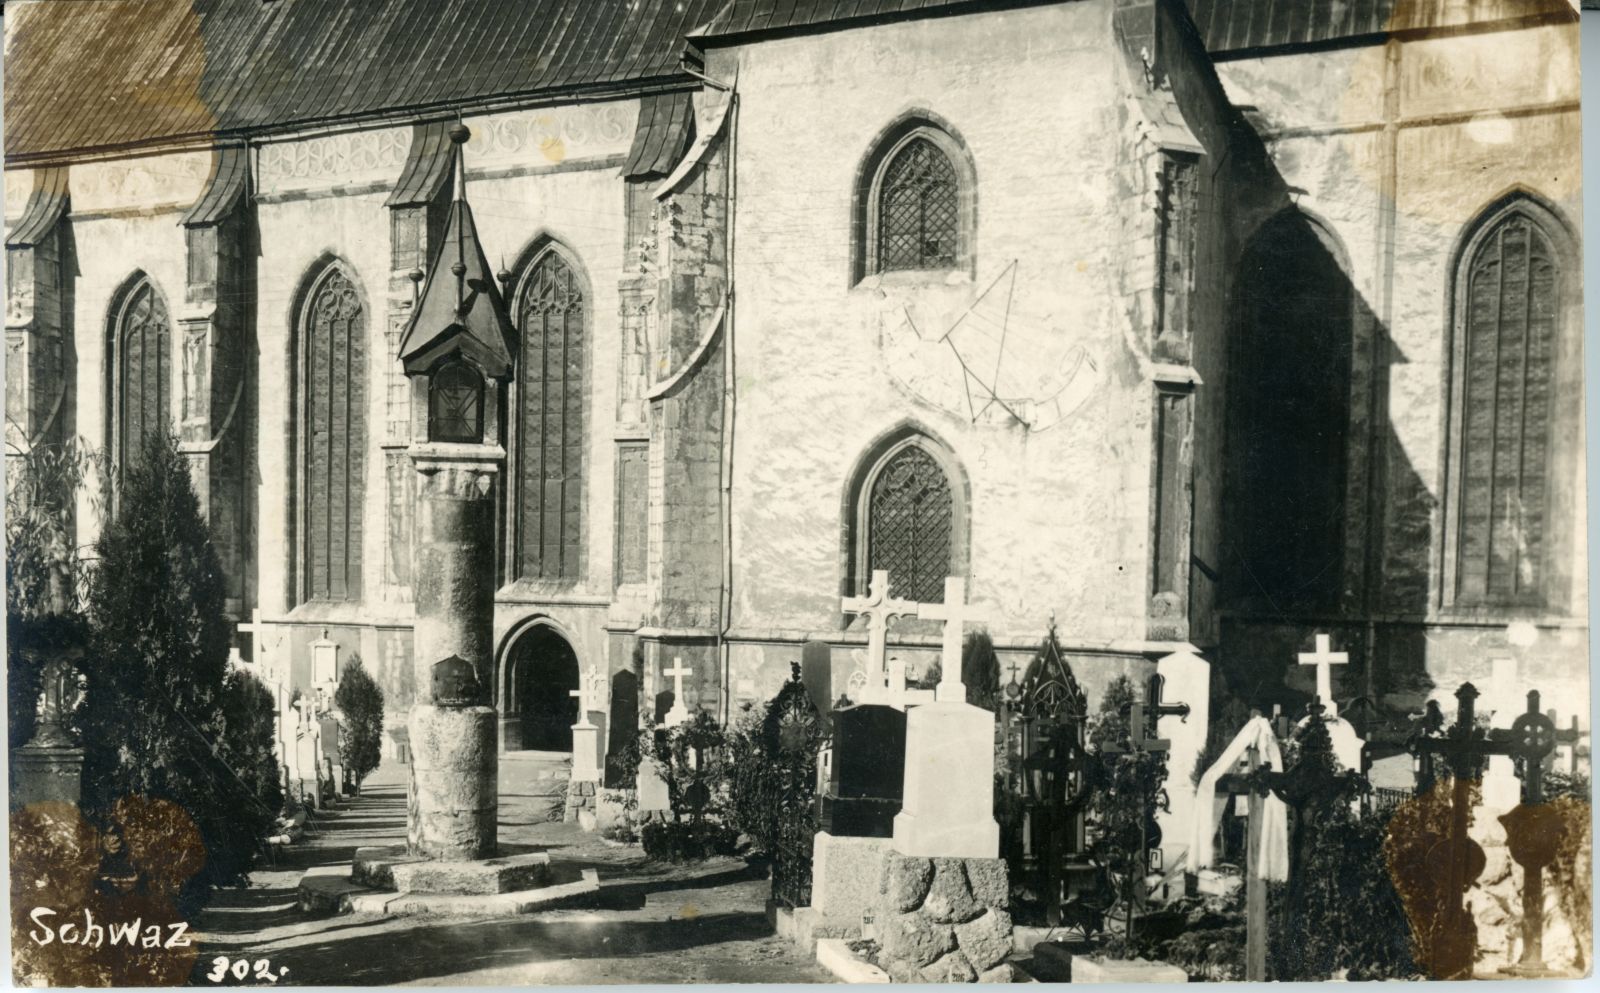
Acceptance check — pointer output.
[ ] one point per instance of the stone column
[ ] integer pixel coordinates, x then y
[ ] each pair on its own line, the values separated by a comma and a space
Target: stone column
454, 761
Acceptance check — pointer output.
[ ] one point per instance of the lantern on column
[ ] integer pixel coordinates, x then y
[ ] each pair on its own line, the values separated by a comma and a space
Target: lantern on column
456, 348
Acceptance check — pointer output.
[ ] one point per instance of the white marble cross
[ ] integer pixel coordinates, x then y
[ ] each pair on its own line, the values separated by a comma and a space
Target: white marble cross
1324, 658
956, 614
878, 608
679, 712
581, 693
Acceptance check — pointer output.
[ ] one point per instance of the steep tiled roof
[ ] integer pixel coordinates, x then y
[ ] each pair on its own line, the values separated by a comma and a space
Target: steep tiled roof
739, 19
124, 73
1239, 25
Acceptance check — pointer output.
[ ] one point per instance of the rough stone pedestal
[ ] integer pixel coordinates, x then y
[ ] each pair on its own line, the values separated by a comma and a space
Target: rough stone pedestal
454, 796
46, 773
944, 919
948, 802
845, 879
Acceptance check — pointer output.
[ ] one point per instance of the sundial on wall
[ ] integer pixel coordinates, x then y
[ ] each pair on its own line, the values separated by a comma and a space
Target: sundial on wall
989, 363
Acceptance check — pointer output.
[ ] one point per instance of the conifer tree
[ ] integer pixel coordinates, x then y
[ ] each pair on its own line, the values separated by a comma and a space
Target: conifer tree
156, 717
360, 699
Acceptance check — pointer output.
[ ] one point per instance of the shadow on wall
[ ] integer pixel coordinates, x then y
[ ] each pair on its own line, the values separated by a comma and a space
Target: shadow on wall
1326, 524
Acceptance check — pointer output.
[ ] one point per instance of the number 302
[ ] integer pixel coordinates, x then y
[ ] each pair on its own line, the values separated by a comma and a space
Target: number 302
241, 970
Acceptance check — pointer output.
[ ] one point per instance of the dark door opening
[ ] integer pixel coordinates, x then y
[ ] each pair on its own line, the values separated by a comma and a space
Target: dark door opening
544, 674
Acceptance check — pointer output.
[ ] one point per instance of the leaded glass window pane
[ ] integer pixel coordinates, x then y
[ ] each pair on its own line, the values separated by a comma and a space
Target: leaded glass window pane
144, 374
334, 438
550, 422
909, 525
455, 410
918, 209
1510, 326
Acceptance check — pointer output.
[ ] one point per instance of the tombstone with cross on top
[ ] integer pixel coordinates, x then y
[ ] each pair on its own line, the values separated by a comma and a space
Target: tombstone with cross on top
679, 714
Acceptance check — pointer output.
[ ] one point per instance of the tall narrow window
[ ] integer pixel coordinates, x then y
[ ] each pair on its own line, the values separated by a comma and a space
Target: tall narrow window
550, 422
332, 437
1507, 330
914, 201
917, 222
144, 372
909, 519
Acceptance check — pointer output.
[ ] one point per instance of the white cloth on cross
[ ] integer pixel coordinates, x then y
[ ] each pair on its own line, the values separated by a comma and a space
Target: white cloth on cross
1272, 860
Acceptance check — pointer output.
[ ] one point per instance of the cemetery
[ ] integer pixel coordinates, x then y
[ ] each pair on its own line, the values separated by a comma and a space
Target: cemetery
805, 516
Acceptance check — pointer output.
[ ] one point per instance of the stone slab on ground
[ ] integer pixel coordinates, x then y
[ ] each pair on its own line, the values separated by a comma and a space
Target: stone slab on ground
330, 889
392, 868
834, 954
1088, 970
805, 927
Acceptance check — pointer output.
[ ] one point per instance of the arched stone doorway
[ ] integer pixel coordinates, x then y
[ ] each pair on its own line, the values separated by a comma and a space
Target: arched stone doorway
537, 708
1288, 416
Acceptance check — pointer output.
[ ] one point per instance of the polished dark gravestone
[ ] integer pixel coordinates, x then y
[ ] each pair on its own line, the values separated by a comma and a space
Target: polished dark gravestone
869, 758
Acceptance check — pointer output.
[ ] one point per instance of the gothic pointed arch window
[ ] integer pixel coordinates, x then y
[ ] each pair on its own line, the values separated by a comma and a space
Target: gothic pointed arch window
332, 434
915, 202
908, 517
1511, 363
549, 429
142, 377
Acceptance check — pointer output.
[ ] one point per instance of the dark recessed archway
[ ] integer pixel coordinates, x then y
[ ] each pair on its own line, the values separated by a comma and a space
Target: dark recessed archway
543, 672
1288, 414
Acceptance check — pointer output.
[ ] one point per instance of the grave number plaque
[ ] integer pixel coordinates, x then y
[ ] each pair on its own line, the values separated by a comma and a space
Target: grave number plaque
455, 683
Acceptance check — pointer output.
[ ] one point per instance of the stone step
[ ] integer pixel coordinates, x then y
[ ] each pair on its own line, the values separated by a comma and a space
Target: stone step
329, 889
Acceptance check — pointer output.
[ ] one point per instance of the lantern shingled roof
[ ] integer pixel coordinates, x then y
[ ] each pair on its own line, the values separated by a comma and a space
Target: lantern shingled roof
461, 310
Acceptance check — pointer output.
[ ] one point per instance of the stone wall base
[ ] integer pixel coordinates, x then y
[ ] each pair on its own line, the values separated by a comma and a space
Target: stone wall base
944, 920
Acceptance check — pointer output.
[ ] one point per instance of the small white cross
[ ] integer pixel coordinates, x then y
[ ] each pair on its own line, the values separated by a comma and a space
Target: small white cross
956, 614
1324, 658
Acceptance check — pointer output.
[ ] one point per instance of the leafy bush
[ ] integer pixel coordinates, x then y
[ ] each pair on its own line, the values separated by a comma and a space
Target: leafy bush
980, 671
677, 750
688, 841
159, 719
44, 619
360, 700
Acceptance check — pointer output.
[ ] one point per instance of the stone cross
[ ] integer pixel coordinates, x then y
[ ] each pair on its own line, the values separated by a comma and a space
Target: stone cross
1324, 658
956, 614
582, 696
878, 607
679, 713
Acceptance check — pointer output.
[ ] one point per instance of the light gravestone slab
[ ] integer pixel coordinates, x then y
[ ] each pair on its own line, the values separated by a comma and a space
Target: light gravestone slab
653, 794
1188, 678
324, 661
947, 808
1501, 788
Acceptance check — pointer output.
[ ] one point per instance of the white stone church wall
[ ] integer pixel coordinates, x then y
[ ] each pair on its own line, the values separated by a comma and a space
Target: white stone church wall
1059, 517
125, 215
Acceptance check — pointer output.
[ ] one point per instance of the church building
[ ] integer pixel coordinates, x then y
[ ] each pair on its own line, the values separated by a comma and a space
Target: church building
1180, 324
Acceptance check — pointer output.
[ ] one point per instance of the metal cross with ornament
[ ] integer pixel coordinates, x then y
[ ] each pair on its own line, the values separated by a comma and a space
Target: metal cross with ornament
1141, 743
